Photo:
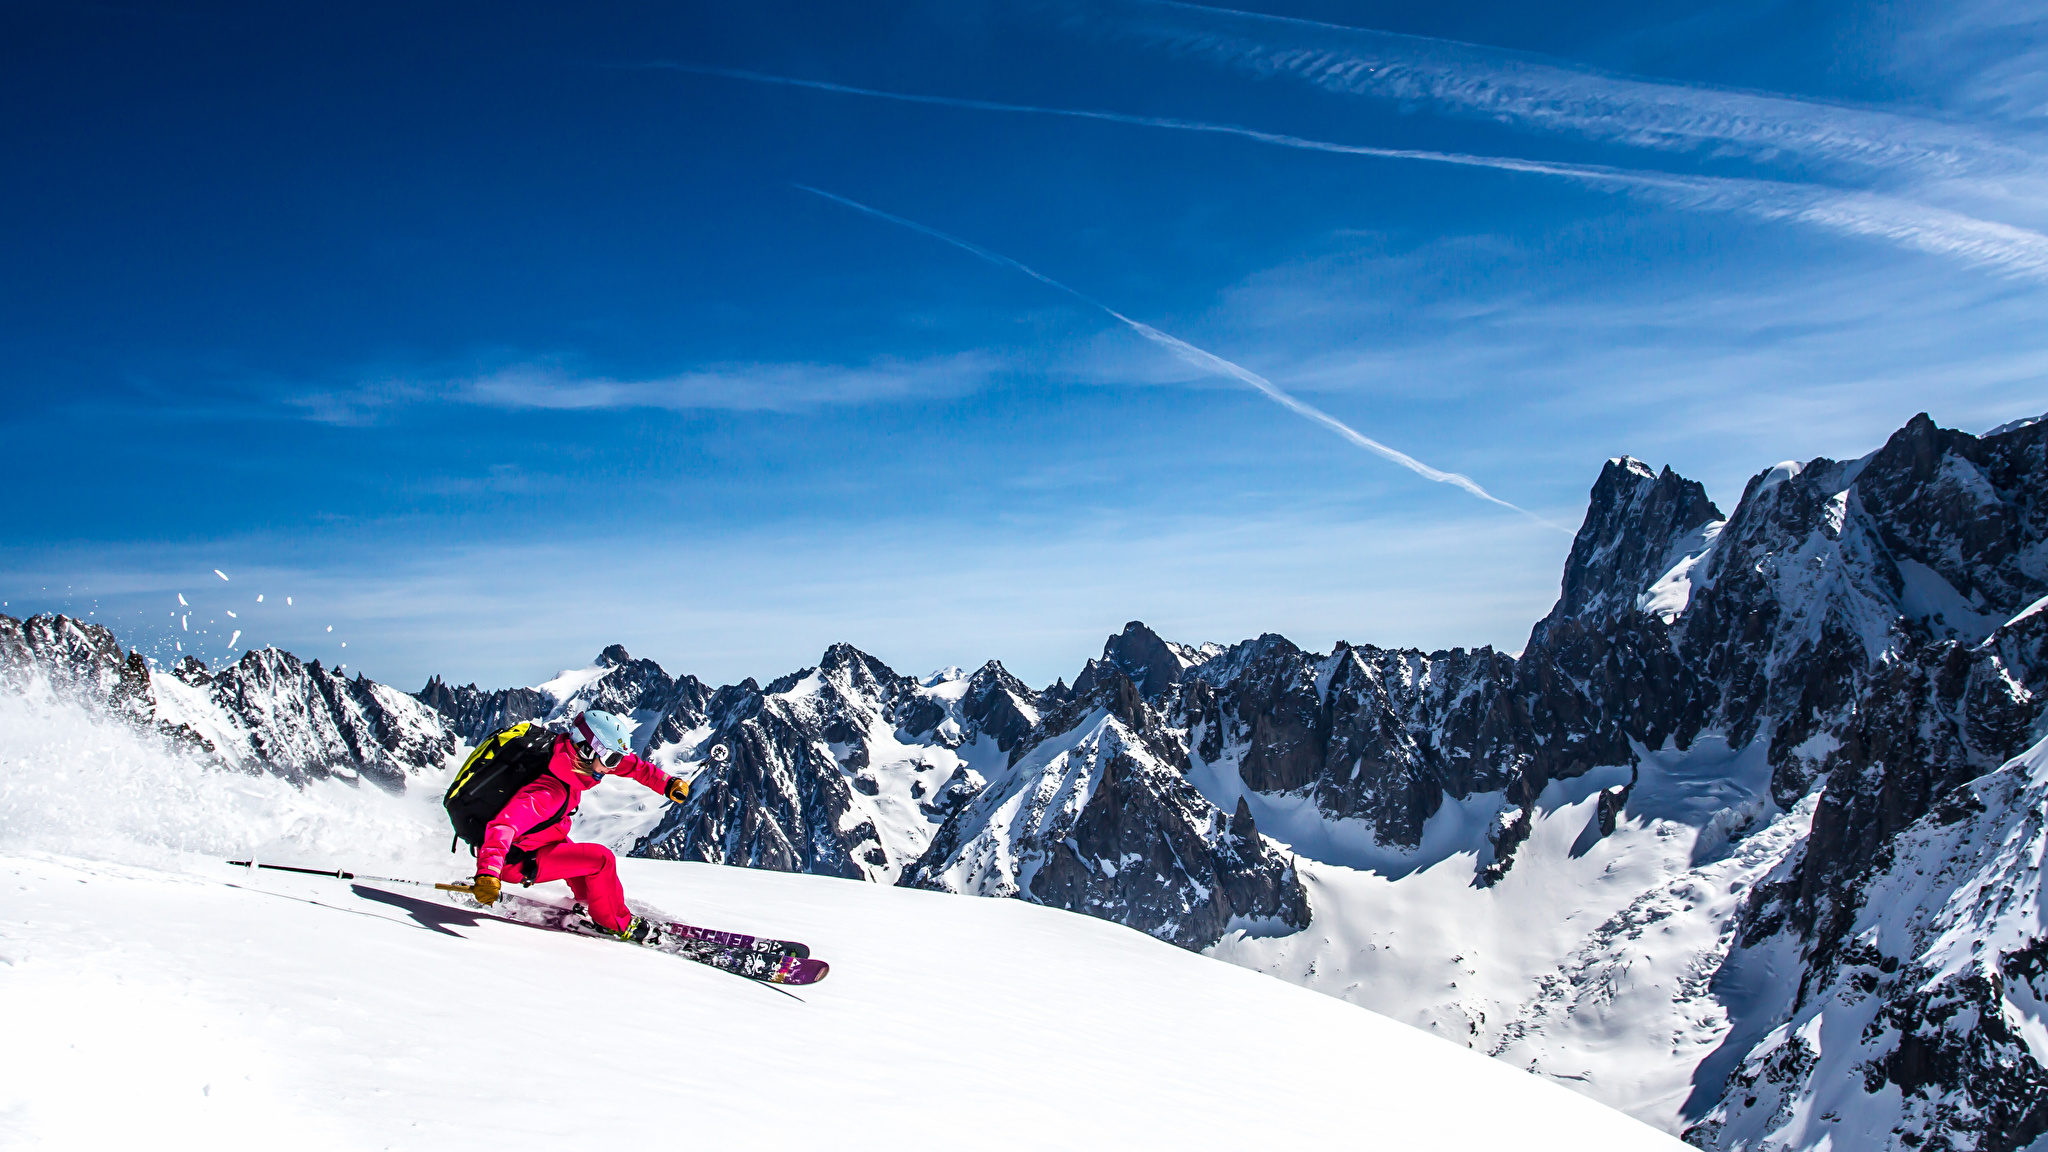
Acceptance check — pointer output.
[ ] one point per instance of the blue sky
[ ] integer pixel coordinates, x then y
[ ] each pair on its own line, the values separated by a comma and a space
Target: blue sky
491, 334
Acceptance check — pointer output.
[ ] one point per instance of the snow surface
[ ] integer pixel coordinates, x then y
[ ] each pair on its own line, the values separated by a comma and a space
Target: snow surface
568, 682
1668, 596
1588, 963
158, 998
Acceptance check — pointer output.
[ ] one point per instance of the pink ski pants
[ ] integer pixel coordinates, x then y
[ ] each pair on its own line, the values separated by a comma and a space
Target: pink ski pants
593, 875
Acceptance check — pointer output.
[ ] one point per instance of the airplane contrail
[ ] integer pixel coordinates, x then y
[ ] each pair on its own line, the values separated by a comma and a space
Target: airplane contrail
1205, 360
2014, 251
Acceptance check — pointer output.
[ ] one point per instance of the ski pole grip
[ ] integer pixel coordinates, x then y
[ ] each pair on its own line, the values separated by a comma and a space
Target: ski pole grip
455, 887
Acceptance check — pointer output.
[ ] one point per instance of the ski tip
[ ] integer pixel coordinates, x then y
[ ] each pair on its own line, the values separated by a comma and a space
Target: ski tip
802, 971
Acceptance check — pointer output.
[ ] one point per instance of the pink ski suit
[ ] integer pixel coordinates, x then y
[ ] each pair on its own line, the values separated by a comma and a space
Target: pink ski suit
590, 869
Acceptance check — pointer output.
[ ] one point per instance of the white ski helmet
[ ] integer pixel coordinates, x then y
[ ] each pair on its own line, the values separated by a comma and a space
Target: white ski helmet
602, 737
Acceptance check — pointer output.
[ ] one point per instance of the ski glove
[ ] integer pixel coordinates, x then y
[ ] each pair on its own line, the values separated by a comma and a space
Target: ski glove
678, 789
485, 889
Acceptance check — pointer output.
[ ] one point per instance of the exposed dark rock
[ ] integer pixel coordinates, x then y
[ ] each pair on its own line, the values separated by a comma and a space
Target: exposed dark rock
1114, 830
473, 713
1269, 707
1000, 705
777, 802
1918, 979
1511, 827
1152, 664
1973, 510
1402, 729
303, 720
75, 659
1638, 524
800, 755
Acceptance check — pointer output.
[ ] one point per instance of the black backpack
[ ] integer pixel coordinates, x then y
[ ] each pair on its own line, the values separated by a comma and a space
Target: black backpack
507, 760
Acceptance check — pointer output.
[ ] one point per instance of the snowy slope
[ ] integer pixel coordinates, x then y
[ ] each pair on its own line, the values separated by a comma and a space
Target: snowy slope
1589, 962
157, 998
1929, 1026
229, 1011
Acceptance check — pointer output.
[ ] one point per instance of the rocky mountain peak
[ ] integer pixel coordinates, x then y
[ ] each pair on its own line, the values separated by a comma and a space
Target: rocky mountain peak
2016, 425
75, 657
1638, 525
1141, 654
853, 670
1094, 814
1969, 510
1112, 692
613, 656
1000, 705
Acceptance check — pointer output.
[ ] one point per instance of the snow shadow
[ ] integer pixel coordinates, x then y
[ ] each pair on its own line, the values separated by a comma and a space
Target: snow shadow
1588, 836
426, 913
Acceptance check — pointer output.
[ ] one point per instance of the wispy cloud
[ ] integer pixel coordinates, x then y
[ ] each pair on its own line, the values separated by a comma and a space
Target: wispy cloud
1204, 360
1553, 96
1711, 371
2002, 248
1985, 58
739, 387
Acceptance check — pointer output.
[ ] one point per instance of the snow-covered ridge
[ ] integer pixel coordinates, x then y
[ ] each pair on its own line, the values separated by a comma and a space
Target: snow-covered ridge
1099, 818
2016, 425
1928, 1021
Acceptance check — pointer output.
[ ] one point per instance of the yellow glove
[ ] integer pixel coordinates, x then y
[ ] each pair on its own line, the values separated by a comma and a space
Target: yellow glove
678, 789
485, 889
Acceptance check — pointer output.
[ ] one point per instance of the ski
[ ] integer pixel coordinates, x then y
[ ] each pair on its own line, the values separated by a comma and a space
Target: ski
718, 939
756, 958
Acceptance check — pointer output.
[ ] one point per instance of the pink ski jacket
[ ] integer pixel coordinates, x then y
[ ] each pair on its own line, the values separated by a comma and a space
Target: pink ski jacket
559, 789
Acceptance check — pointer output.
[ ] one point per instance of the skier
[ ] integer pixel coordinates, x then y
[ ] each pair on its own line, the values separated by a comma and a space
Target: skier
528, 840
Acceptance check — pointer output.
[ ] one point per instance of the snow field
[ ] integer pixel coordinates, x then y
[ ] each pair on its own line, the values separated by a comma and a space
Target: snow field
1588, 963
209, 1006
157, 997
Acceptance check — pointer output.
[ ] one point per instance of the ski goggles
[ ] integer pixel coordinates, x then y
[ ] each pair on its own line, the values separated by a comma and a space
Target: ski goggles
599, 756
593, 749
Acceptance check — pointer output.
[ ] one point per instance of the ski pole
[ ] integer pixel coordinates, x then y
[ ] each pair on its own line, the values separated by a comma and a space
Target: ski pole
340, 875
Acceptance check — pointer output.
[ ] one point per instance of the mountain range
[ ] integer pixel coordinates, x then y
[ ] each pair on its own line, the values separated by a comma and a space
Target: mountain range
1746, 840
